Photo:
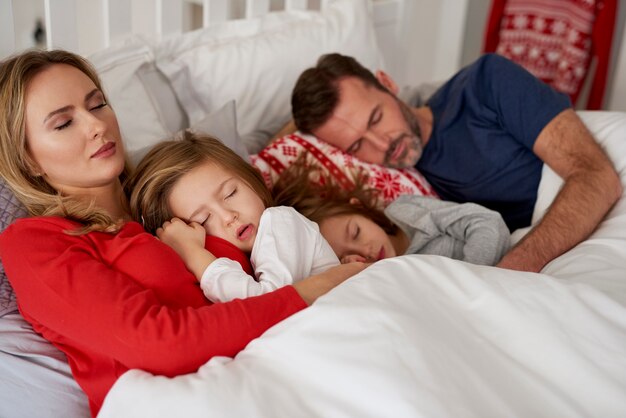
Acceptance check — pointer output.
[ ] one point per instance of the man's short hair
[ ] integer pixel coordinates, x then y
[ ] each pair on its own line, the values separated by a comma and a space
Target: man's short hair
316, 93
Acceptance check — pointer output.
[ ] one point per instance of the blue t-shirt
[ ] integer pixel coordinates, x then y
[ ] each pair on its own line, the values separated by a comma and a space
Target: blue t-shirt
486, 121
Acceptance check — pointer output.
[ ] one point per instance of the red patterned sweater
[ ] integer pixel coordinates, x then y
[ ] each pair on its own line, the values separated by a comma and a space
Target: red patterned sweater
559, 41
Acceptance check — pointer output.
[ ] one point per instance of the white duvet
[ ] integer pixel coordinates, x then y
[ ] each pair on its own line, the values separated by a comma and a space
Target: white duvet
433, 337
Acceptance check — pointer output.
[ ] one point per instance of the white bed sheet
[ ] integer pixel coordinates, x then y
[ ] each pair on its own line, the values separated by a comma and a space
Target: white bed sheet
429, 336
414, 336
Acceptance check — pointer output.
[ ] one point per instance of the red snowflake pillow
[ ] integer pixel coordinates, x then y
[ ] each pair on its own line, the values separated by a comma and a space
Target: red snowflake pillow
343, 168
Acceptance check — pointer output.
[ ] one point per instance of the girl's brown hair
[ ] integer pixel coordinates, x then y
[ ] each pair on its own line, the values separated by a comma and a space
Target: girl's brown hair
316, 196
157, 173
16, 164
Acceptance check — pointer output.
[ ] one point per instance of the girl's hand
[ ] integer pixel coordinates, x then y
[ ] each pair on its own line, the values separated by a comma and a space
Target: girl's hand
353, 258
188, 242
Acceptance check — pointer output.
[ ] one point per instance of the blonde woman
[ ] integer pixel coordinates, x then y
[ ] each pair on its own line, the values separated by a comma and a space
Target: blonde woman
89, 279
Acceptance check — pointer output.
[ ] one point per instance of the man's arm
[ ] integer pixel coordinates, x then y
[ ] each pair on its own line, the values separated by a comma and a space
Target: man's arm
591, 187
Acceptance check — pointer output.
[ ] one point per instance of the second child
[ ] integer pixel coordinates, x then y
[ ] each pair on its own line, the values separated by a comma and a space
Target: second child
358, 230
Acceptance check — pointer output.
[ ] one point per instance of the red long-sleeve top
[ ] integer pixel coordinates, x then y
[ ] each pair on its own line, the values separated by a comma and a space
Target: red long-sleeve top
112, 302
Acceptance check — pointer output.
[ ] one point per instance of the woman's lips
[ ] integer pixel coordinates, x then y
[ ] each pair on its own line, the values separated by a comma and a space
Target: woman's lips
245, 232
106, 150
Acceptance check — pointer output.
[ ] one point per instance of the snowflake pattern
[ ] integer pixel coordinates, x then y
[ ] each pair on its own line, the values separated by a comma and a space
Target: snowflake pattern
552, 40
343, 168
388, 183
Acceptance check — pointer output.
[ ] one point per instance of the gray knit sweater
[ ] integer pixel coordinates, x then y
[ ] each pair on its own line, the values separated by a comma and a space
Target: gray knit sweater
467, 231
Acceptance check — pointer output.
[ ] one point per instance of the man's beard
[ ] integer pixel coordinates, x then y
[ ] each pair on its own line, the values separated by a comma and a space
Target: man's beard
410, 140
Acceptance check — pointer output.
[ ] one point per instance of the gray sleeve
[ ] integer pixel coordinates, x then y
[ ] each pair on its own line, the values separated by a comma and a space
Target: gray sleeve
482, 232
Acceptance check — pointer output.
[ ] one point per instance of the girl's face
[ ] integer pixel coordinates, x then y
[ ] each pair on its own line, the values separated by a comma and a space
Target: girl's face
220, 201
71, 132
357, 238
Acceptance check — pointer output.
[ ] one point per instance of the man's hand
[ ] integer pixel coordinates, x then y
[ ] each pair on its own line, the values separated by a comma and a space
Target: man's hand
591, 187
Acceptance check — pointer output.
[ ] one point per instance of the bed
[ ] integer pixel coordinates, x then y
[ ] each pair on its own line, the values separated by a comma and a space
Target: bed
409, 336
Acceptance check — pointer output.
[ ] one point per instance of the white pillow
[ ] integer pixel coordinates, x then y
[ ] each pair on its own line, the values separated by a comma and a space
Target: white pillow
221, 124
258, 63
145, 105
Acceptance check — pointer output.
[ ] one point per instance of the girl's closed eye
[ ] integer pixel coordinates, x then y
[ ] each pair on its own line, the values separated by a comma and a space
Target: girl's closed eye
231, 194
377, 117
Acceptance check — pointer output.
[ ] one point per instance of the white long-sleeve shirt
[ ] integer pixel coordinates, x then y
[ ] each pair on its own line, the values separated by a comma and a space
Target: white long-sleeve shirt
288, 247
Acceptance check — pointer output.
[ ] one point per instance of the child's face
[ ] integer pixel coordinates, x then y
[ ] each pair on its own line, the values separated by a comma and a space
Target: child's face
357, 238
221, 202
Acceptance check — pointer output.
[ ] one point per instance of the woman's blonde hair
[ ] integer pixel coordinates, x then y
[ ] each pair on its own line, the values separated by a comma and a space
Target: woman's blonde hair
157, 173
316, 196
16, 164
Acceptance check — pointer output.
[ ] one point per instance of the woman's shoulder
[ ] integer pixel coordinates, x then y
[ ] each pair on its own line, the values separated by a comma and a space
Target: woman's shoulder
41, 223
47, 226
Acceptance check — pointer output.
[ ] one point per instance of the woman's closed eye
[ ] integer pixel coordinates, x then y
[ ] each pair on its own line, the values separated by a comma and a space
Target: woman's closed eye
67, 123
63, 125
99, 106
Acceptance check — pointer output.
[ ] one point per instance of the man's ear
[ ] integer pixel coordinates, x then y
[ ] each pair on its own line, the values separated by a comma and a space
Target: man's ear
386, 80
354, 201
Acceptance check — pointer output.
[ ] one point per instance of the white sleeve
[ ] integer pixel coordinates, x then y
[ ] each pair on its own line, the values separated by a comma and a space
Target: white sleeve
289, 248
224, 280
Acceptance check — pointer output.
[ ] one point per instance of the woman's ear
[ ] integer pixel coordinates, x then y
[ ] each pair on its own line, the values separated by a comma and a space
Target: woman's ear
33, 168
386, 80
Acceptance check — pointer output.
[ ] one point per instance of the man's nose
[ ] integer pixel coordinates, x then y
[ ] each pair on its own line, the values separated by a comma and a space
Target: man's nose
379, 142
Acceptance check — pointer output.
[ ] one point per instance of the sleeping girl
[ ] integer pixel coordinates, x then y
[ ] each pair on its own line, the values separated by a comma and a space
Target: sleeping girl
358, 231
185, 189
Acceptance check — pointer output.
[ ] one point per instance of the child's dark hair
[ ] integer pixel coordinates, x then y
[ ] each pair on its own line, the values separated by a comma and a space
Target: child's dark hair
316, 196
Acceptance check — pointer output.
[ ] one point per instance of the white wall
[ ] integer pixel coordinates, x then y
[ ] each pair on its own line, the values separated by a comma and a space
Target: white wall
433, 34
25, 13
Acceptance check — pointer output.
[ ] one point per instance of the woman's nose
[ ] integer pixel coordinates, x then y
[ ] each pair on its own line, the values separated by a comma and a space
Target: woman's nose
96, 126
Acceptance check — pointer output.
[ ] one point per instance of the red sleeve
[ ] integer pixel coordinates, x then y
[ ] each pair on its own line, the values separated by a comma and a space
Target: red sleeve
73, 296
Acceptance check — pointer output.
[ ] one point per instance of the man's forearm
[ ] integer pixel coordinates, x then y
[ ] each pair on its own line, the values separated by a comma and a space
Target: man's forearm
577, 210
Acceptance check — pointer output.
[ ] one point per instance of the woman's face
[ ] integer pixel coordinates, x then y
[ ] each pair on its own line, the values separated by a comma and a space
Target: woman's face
356, 238
220, 201
71, 132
